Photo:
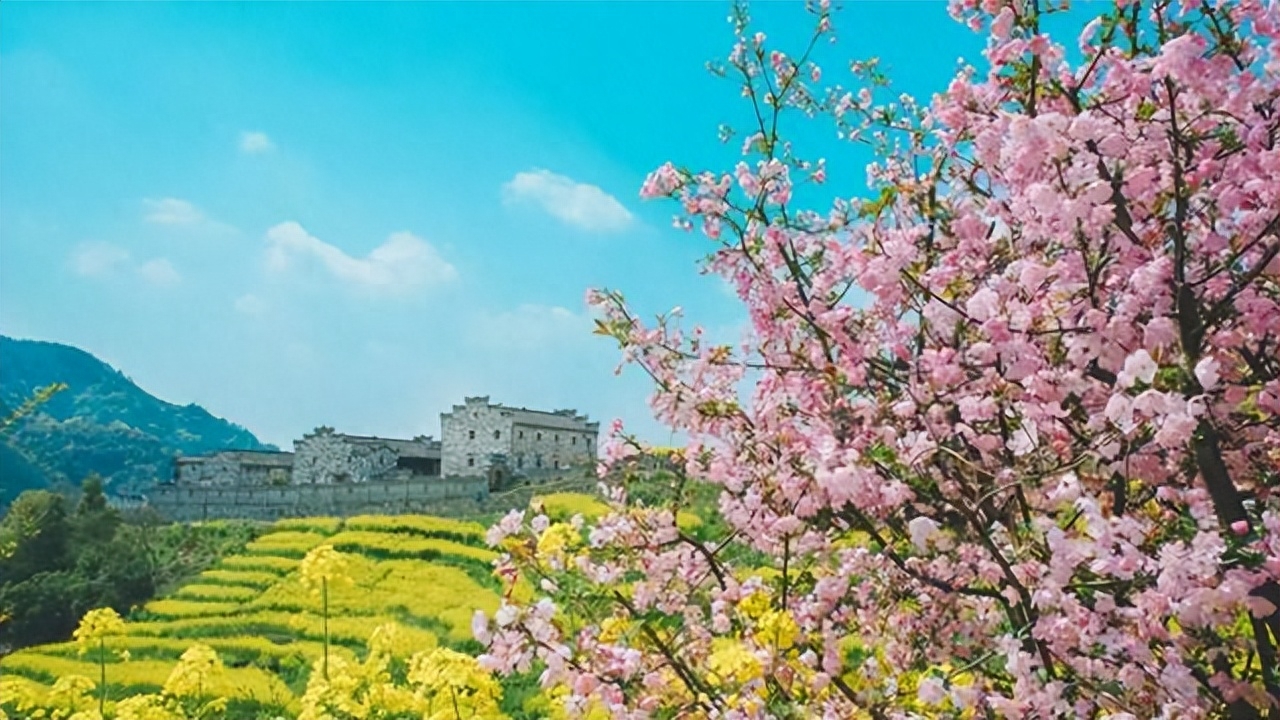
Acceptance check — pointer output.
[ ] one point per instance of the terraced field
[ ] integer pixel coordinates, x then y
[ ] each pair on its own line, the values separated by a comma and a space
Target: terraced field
427, 575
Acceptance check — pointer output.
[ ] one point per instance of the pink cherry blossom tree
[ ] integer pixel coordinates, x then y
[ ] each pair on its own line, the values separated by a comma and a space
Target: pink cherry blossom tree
1005, 437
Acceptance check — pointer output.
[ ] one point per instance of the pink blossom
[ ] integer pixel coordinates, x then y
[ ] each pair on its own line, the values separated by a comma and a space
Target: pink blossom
983, 304
1137, 367
1207, 373
922, 529
963, 415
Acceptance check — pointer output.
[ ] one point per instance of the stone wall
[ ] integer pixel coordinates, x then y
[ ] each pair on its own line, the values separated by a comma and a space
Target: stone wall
470, 434
431, 496
229, 469
325, 457
555, 448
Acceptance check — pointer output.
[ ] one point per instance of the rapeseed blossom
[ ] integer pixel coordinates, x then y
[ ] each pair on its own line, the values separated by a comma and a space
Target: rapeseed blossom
324, 566
198, 666
95, 626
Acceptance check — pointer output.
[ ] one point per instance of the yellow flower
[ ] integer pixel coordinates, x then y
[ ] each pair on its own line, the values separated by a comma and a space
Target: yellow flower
324, 565
777, 629
731, 662
96, 625
553, 707
385, 639
393, 701
144, 707
195, 670
68, 694
754, 605
337, 696
454, 683
613, 628
556, 541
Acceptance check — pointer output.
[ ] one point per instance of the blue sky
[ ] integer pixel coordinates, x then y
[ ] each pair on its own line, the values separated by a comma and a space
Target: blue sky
355, 214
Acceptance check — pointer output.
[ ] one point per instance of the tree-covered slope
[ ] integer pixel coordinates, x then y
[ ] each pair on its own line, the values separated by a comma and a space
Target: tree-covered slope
101, 423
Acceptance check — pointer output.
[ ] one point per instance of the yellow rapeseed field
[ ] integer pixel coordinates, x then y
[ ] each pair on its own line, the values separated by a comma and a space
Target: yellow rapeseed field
424, 576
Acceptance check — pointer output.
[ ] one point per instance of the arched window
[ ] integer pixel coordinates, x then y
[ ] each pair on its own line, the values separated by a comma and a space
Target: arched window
497, 434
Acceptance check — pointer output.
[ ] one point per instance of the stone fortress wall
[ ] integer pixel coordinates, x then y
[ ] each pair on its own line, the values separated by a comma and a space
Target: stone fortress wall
486, 450
463, 497
189, 503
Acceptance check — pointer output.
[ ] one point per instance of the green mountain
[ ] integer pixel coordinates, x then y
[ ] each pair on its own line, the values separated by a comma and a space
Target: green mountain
102, 423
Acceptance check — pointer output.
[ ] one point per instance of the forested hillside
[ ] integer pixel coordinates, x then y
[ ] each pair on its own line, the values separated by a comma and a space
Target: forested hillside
102, 423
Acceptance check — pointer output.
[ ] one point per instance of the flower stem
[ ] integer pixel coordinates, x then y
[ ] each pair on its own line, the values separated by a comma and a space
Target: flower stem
324, 589
102, 667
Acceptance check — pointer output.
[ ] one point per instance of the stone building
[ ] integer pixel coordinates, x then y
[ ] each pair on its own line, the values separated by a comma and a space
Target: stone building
326, 457
234, 467
484, 439
323, 457
331, 473
479, 439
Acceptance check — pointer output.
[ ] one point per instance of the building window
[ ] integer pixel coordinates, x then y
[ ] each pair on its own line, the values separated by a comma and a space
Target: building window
538, 437
521, 434
471, 434
519, 461
557, 437
471, 462
557, 463
573, 440
537, 461
497, 434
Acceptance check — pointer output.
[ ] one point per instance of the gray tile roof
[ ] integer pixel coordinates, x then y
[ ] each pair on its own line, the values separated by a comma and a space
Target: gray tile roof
262, 458
556, 421
404, 448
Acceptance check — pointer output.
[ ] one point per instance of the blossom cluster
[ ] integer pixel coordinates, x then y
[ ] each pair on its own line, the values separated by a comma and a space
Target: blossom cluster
323, 566
435, 684
1005, 434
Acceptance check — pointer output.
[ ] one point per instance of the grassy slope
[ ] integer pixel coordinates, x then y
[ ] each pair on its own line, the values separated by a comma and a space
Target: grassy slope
427, 574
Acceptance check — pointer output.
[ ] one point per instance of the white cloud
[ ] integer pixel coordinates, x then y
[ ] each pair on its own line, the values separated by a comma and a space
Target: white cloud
159, 272
530, 327
96, 259
400, 265
171, 211
585, 206
250, 304
255, 143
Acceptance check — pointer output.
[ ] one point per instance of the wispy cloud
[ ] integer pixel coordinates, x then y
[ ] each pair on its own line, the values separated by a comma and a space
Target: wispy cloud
159, 272
171, 211
401, 265
102, 259
255, 142
250, 304
530, 327
98, 259
579, 204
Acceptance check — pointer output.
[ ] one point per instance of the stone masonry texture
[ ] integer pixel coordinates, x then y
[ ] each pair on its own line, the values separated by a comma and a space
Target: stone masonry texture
484, 448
